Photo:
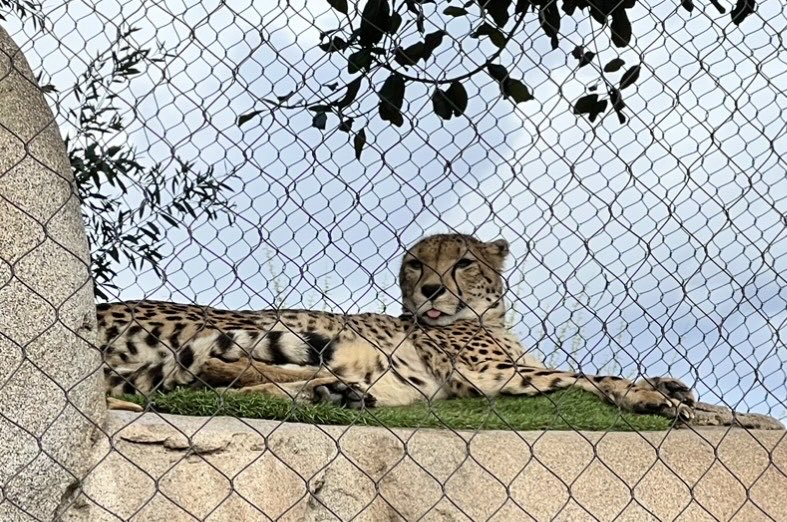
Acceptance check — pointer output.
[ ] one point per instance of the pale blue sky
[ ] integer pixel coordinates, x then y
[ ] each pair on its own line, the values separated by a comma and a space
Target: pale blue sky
668, 234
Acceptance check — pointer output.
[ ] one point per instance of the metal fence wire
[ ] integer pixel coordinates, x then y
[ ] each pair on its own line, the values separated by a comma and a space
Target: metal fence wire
283, 155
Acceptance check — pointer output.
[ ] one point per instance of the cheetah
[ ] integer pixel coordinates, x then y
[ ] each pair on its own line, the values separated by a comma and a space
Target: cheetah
451, 341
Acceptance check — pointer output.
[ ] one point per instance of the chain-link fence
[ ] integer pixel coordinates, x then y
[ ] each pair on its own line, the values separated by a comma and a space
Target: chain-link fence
277, 156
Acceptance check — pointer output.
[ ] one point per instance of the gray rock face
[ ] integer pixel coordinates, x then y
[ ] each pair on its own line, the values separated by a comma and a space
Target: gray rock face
173, 468
50, 398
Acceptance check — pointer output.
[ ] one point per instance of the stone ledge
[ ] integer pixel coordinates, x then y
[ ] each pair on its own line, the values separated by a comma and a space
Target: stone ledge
221, 468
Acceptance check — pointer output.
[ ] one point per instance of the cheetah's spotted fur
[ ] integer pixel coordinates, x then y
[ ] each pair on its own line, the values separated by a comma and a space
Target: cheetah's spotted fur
452, 343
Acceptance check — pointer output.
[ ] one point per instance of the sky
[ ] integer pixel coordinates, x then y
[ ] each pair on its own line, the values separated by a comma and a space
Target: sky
655, 247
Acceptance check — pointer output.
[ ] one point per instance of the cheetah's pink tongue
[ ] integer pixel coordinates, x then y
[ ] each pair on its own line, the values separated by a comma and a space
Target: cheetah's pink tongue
433, 313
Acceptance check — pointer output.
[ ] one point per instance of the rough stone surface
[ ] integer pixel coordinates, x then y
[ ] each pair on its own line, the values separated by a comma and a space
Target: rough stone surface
173, 468
50, 397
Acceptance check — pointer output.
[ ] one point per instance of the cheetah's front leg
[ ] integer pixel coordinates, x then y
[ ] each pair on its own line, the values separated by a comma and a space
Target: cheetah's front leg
323, 389
662, 396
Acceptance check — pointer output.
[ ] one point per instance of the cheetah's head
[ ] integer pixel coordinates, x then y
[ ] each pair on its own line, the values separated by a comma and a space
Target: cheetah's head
451, 277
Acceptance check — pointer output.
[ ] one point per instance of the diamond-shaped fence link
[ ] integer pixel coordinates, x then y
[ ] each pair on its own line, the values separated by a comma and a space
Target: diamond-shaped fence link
246, 156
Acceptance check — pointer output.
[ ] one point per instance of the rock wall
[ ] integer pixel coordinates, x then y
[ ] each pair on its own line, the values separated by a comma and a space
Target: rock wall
173, 468
50, 398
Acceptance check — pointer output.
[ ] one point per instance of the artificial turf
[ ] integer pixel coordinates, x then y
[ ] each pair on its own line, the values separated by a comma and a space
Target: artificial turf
562, 410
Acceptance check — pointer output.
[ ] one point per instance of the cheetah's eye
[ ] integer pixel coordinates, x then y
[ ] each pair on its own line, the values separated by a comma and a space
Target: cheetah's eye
464, 263
414, 264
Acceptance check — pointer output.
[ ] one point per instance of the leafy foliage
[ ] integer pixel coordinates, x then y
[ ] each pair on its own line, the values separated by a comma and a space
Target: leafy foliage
127, 206
23, 9
392, 37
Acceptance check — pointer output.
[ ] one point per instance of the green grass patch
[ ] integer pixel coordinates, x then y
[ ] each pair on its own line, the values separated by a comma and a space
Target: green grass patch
562, 410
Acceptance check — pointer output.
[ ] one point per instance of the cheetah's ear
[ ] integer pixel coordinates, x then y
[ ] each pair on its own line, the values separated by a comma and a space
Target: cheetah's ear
497, 248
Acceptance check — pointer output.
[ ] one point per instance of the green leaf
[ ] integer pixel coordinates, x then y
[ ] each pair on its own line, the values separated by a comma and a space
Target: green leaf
455, 11
359, 61
358, 142
517, 90
243, 118
391, 99
339, 5
629, 77
375, 21
614, 65
441, 105
457, 97
320, 120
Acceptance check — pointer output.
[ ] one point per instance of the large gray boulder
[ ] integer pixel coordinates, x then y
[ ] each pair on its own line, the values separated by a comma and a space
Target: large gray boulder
173, 468
50, 396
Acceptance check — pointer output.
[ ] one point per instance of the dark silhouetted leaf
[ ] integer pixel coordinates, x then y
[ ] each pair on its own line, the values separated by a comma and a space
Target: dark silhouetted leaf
517, 90
688, 5
457, 97
549, 17
584, 57
375, 21
358, 142
498, 10
391, 99
441, 105
498, 72
629, 77
333, 45
410, 55
522, 6
395, 23
743, 8
455, 11
617, 104
346, 125
614, 65
494, 34
590, 105
432, 41
320, 120
359, 61
350, 94
339, 5
720, 8
243, 118
320, 108
620, 27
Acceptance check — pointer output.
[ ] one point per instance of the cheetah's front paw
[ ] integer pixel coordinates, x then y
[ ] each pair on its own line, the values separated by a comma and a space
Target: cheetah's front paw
345, 395
672, 388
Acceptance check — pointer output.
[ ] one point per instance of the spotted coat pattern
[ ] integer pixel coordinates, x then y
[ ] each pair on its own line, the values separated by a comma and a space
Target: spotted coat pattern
452, 342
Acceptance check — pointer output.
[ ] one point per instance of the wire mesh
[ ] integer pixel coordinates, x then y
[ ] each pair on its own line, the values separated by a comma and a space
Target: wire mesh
653, 246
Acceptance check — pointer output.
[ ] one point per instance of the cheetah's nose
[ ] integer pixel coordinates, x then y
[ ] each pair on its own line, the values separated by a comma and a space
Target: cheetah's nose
432, 291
